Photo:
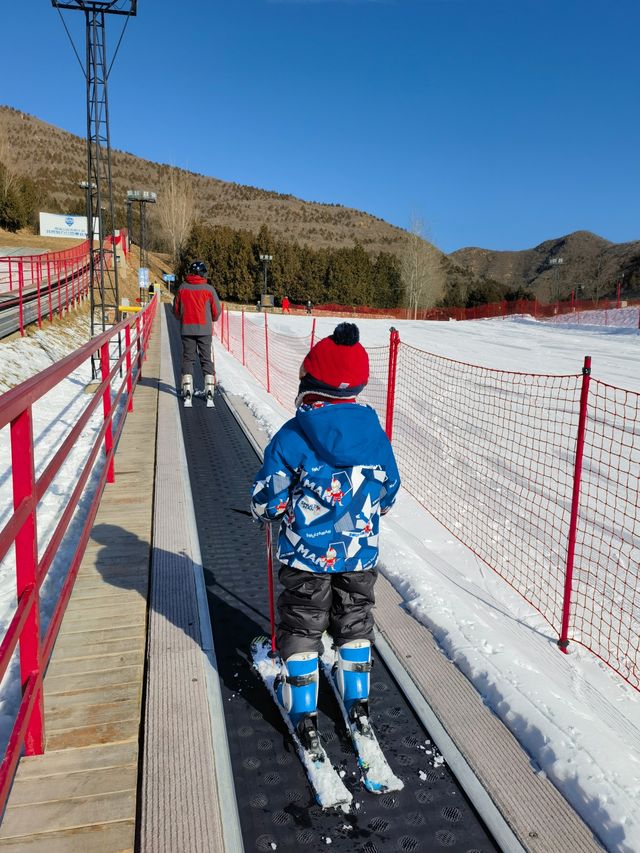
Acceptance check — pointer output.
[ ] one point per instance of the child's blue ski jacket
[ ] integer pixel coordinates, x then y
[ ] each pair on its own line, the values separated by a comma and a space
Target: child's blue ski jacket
329, 473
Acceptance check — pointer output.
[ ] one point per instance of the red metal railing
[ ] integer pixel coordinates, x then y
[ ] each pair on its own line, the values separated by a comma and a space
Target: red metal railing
55, 281
538, 475
118, 380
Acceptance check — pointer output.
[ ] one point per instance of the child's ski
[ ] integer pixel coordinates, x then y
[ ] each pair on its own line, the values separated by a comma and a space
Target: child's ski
328, 787
377, 776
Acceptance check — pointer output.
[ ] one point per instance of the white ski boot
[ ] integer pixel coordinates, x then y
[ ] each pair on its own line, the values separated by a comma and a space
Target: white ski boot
209, 389
187, 390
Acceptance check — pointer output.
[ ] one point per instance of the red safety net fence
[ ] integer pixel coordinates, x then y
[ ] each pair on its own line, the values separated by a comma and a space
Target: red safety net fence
538, 475
274, 358
605, 604
489, 454
570, 309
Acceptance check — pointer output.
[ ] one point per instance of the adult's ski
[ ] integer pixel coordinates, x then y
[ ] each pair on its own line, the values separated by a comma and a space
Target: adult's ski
205, 395
328, 787
377, 775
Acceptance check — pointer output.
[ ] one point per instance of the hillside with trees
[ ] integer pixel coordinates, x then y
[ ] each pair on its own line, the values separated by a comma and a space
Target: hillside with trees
325, 252
581, 262
45, 165
344, 276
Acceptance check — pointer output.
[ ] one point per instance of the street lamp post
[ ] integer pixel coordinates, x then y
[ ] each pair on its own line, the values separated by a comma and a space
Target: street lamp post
143, 197
89, 189
266, 259
619, 287
557, 263
128, 202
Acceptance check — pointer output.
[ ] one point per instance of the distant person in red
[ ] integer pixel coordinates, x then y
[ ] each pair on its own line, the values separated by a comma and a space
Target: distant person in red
197, 307
285, 305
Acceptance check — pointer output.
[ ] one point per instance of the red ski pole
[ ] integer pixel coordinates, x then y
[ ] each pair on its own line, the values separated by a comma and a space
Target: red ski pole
272, 609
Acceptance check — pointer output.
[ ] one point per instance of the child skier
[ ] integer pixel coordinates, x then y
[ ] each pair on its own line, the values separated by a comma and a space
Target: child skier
329, 473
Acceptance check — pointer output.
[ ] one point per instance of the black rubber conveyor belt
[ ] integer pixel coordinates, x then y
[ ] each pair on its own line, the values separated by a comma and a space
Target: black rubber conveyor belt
276, 805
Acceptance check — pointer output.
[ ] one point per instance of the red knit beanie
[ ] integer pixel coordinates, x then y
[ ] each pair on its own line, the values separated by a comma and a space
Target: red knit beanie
337, 366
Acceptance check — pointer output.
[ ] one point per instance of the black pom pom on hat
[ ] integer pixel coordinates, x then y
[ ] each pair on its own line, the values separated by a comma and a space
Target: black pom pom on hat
346, 334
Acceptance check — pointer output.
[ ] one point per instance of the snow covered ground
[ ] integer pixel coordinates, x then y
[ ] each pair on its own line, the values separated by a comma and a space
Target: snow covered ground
619, 317
578, 721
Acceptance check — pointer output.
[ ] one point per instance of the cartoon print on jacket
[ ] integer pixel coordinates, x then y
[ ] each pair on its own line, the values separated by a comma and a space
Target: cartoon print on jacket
328, 475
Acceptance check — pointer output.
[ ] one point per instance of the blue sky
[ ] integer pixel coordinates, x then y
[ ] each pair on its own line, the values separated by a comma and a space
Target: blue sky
500, 123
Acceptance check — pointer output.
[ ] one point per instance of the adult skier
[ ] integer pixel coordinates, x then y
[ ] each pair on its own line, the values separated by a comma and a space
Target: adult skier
197, 307
328, 473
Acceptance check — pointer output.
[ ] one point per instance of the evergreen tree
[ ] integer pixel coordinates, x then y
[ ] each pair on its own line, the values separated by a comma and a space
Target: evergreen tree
241, 284
387, 281
346, 276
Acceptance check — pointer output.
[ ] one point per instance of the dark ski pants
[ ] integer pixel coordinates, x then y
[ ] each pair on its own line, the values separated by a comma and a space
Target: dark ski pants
311, 603
201, 343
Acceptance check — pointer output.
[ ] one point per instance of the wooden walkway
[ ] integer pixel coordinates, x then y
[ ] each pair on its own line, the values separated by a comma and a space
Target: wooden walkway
81, 794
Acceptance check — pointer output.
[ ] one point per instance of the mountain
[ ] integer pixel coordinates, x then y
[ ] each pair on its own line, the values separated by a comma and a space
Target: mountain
591, 266
56, 160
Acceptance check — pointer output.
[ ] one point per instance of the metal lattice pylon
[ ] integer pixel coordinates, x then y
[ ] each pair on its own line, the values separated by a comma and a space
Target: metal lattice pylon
100, 209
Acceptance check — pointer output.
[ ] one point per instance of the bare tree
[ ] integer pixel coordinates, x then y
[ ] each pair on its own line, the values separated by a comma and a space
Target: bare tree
598, 283
176, 208
9, 174
421, 269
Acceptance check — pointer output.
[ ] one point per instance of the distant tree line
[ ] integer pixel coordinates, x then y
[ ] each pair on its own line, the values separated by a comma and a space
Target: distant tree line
346, 276
20, 200
465, 291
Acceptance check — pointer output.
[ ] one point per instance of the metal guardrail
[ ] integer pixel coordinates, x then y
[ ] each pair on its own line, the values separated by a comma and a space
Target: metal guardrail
37, 287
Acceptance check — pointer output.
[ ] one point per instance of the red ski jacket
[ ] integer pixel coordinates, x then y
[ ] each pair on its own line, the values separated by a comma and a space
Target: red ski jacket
197, 306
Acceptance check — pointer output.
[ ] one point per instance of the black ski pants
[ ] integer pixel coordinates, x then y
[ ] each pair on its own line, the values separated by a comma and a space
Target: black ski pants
310, 603
201, 343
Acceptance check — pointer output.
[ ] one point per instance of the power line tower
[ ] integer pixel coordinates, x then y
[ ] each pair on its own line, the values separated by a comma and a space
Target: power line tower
100, 210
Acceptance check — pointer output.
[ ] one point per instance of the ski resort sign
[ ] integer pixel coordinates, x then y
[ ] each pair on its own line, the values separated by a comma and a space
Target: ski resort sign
65, 225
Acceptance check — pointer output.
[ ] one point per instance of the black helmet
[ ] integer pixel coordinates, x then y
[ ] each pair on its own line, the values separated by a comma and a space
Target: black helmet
198, 268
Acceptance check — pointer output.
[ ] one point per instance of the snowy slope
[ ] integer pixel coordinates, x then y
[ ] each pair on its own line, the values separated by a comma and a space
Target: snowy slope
578, 721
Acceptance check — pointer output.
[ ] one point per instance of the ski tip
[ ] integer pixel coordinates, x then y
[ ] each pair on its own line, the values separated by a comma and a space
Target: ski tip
375, 787
344, 803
